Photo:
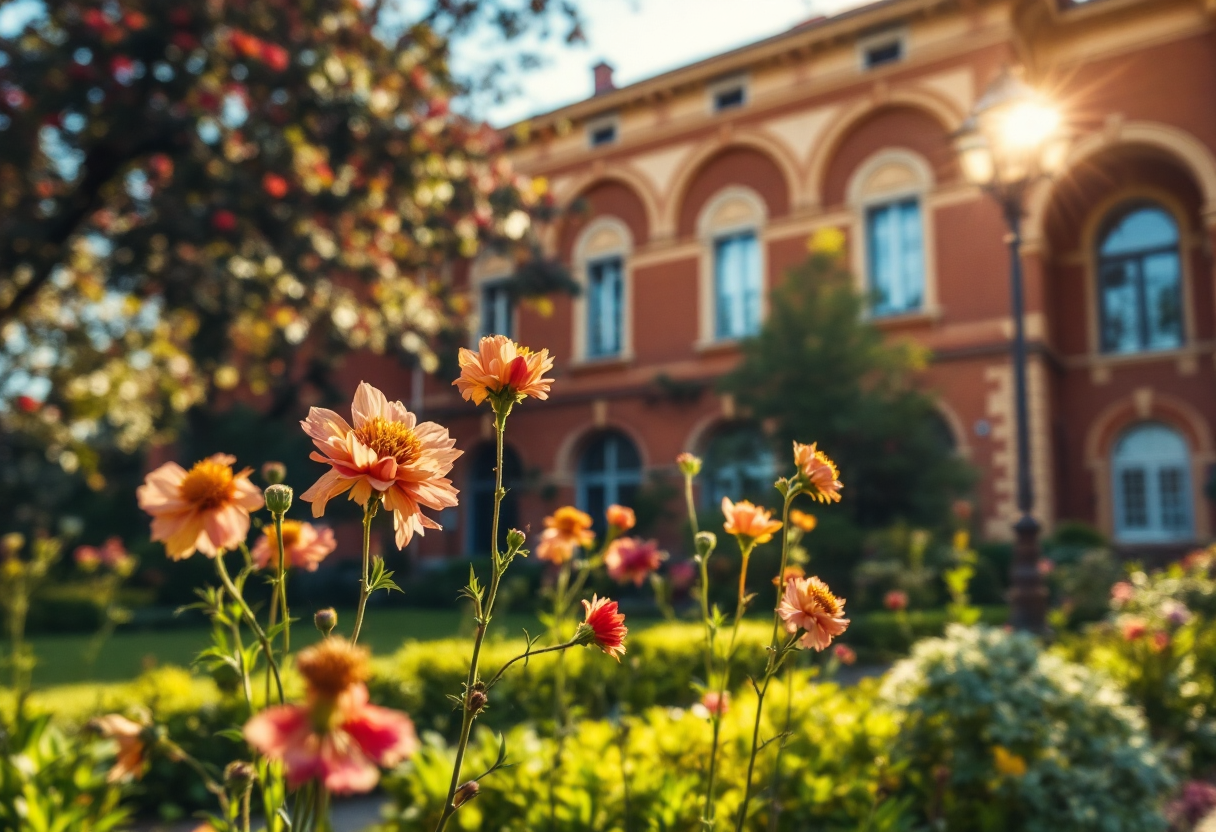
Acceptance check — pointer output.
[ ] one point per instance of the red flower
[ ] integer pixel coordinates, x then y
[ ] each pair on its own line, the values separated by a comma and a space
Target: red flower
223, 220
245, 44
135, 21
275, 57
605, 626
845, 654
896, 600
95, 19
28, 403
274, 185
1133, 628
161, 166
631, 559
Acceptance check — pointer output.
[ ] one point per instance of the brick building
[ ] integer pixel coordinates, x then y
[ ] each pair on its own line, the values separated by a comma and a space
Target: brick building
703, 185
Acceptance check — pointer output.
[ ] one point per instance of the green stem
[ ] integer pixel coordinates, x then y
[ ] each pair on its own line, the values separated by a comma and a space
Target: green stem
246, 683
369, 511
496, 570
281, 584
775, 808
751, 763
252, 621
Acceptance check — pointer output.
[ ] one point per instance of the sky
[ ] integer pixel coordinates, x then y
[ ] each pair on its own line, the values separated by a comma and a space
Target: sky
642, 38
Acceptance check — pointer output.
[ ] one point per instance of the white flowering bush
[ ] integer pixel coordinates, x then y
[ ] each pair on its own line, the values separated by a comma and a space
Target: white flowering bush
999, 735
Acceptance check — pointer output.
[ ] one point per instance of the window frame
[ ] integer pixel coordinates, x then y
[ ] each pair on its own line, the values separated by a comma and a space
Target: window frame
601, 262
593, 126
727, 85
735, 210
1152, 471
484, 272
611, 483
604, 238
879, 40
870, 211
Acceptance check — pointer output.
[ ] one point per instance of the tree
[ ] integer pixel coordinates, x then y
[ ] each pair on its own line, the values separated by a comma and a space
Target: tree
204, 195
819, 371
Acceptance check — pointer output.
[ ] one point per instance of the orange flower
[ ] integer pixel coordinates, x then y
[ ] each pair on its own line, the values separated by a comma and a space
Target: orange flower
1133, 627
129, 735
621, 518
604, 626
204, 509
501, 366
387, 453
304, 544
802, 520
810, 606
789, 574
565, 529
336, 737
816, 469
631, 559
751, 524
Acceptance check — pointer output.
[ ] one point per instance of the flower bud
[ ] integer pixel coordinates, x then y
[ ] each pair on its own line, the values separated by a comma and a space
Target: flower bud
274, 472
238, 776
689, 465
476, 700
705, 543
278, 499
515, 539
326, 620
465, 793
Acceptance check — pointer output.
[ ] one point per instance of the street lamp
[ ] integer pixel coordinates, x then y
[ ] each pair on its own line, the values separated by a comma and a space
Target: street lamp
1012, 139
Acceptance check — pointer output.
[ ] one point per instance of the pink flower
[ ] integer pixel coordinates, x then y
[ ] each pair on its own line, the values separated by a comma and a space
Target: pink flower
817, 470
895, 600
605, 626
129, 764
716, 705
1121, 593
387, 454
205, 509
336, 737
631, 559
304, 545
87, 558
845, 654
501, 366
809, 605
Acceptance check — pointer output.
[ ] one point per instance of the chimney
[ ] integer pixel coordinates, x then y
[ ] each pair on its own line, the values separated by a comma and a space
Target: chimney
602, 73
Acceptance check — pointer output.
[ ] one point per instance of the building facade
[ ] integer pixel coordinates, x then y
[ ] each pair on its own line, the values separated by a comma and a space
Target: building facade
702, 186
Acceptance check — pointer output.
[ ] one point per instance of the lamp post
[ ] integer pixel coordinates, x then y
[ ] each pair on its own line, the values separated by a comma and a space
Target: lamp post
1011, 140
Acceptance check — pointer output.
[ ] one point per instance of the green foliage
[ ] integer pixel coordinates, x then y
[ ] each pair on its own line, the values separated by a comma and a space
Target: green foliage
1002, 737
820, 372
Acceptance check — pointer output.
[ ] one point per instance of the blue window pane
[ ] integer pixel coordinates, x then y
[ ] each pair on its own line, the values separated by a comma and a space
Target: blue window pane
894, 236
496, 309
1140, 282
738, 285
609, 471
605, 296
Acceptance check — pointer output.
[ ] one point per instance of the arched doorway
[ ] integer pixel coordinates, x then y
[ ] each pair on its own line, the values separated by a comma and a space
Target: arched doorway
1151, 467
609, 471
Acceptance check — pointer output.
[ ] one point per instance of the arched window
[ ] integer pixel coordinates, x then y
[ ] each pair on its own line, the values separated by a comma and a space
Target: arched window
480, 499
609, 471
738, 464
1152, 486
601, 311
1140, 280
733, 264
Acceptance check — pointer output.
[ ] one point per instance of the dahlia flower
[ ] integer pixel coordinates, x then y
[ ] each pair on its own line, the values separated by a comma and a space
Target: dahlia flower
335, 737
501, 366
631, 559
604, 626
752, 524
816, 469
565, 529
304, 546
387, 454
205, 509
809, 605
621, 518
844, 654
802, 520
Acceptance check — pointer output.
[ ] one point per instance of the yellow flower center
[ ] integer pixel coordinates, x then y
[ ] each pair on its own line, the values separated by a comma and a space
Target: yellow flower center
390, 439
818, 593
332, 666
208, 485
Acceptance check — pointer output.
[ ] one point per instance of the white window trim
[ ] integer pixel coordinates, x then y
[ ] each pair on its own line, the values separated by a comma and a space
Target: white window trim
1156, 534
583, 258
610, 120
862, 201
880, 39
489, 268
709, 233
725, 85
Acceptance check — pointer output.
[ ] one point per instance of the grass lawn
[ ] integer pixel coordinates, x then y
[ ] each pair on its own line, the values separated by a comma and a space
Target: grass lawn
127, 654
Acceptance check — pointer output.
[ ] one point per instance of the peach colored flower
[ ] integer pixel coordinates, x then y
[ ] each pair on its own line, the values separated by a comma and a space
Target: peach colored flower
718, 705
605, 626
752, 524
896, 600
387, 454
1121, 593
502, 366
131, 759
791, 572
304, 544
204, 509
816, 469
631, 559
809, 605
565, 529
802, 520
845, 654
621, 518
335, 737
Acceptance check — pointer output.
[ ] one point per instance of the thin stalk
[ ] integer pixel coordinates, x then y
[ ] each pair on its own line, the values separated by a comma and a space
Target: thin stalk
252, 620
369, 511
245, 811
559, 689
496, 568
281, 584
246, 683
775, 807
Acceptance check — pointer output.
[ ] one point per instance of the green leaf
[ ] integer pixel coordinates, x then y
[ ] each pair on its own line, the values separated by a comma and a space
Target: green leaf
380, 578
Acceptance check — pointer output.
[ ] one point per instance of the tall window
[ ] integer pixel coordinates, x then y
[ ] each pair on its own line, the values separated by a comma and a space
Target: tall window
894, 238
605, 296
738, 285
1140, 281
1152, 486
609, 471
738, 464
480, 498
496, 309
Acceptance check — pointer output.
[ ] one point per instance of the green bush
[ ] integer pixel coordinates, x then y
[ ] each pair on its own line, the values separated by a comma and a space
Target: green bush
1002, 737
